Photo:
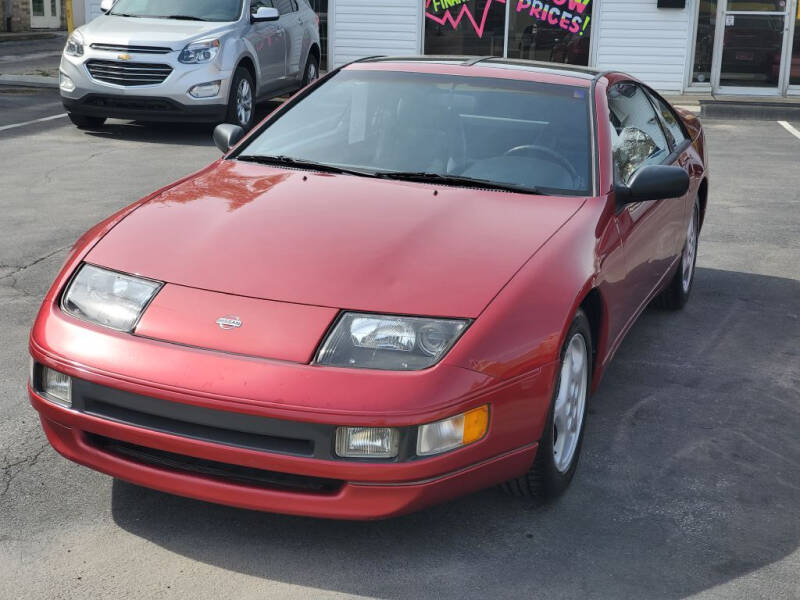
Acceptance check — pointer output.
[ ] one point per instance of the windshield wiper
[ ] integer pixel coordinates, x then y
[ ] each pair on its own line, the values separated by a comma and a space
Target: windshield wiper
113, 14
456, 180
288, 161
182, 18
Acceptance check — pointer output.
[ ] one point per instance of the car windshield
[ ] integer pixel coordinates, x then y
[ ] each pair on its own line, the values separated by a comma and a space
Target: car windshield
521, 135
192, 10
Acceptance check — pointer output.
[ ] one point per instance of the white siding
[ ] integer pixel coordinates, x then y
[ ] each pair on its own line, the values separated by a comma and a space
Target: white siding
362, 28
650, 43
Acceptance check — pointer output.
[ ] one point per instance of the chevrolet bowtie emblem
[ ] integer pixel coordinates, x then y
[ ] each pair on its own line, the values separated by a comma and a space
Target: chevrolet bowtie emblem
124, 56
229, 322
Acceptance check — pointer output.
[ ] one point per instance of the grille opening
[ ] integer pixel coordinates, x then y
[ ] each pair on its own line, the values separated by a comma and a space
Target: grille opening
144, 104
136, 49
217, 470
199, 431
128, 73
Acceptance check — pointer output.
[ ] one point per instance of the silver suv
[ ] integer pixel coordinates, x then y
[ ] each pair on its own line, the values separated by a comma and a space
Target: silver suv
187, 60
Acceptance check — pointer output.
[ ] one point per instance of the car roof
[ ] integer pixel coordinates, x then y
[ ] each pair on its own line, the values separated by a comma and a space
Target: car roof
486, 66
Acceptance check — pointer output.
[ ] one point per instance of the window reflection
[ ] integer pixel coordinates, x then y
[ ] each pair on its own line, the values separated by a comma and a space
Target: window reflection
472, 27
562, 37
704, 46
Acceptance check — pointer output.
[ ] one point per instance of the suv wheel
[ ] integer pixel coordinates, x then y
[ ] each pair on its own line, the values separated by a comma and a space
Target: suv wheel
242, 101
311, 73
84, 122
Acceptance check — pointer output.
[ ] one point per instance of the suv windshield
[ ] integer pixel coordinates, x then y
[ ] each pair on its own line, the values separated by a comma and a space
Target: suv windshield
199, 10
452, 129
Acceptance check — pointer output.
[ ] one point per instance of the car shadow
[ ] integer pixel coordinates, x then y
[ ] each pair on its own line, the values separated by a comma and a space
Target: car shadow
180, 134
688, 480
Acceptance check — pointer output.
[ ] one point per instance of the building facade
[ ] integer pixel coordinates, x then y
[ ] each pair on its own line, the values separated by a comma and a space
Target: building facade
749, 47
25, 15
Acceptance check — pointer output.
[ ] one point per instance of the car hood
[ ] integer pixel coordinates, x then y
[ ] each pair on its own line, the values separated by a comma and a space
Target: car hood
335, 241
130, 31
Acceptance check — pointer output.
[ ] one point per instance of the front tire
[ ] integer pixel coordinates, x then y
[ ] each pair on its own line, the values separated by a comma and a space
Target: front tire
560, 445
242, 100
311, 74
676, 294
84, 122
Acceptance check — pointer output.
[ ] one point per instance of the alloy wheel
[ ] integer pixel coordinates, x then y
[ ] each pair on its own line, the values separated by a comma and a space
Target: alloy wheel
689, 252
244, 102
570, 403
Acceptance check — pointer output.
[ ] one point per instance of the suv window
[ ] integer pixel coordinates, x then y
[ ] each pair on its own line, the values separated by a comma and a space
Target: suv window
671, 121
284, 6
637, 136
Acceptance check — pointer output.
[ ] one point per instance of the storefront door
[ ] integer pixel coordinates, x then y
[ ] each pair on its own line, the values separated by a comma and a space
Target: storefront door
752, 52
45, 14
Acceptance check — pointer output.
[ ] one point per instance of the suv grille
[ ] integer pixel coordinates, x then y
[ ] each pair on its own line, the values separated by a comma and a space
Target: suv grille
128, 73
136, 49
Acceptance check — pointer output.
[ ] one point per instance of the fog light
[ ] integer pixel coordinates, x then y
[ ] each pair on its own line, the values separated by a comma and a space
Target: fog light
65, 83
205, 90
454, 432
56, 387
367, 442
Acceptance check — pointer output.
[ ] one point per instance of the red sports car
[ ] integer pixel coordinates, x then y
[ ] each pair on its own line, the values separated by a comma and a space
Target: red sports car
401, 287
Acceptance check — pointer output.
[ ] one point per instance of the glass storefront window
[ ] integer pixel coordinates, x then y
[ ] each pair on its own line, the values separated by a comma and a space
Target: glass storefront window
544, 31
751, 53
466, 27
757, 5
704, 45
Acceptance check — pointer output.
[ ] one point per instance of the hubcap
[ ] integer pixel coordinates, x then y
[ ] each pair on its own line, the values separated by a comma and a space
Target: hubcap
570, 402
689, 252
244, 102
311, 73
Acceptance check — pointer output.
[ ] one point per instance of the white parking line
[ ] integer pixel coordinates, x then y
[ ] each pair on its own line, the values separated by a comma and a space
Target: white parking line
23, 124
790, 129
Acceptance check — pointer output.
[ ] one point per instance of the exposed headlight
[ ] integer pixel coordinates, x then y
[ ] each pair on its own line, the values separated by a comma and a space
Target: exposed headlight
454, 432
388, 342
199, 52
367, 442
108, 298
74, 45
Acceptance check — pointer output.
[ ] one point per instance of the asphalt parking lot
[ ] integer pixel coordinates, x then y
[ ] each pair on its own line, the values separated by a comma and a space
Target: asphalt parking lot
689, 485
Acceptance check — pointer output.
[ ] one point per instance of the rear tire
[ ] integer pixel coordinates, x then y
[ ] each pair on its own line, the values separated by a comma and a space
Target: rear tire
676, 294
560, 446
311, 74
242, 100
84, 122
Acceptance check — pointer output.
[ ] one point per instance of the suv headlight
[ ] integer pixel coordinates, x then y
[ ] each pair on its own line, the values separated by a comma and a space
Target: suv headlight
199, 52
74, 45
108, 298
389, 342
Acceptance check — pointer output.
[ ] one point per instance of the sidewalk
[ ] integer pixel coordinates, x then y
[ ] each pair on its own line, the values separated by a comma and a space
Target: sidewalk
738, 107
30, 35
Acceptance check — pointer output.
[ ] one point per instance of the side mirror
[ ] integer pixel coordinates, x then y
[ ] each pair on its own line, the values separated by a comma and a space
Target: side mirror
226, 136
265, 13
654, 182
105, 5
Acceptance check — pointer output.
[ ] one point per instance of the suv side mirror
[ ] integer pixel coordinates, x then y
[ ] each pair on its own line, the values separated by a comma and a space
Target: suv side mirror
653, 182
265, 13
227, 135
105, 5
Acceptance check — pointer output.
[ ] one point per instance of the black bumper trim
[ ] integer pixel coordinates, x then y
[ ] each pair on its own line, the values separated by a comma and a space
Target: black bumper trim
143, 108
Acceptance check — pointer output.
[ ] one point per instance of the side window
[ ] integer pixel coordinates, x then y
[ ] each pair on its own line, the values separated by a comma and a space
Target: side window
638, 139
284, 7
670, 120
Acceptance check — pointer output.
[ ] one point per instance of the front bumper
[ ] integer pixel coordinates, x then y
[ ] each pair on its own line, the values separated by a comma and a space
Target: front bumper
166, 101
309, 398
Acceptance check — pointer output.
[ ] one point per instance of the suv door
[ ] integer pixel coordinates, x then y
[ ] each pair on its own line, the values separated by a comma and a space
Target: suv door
653, 233
292, 20
269, 41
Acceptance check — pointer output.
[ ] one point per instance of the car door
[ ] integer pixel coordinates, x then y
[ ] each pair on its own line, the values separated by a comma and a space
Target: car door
652, 232
269, 42
293, 22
